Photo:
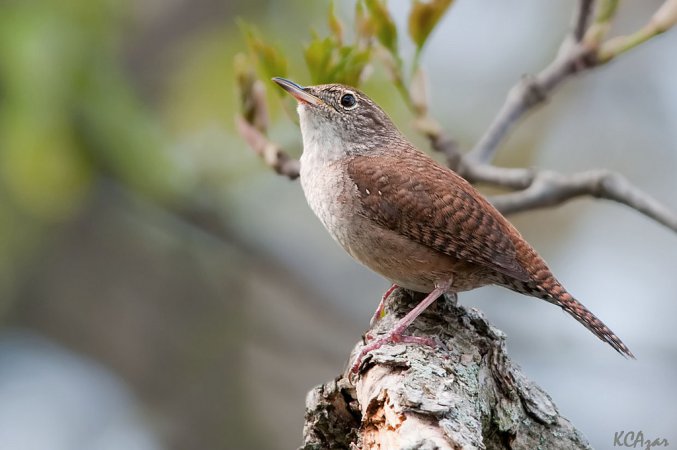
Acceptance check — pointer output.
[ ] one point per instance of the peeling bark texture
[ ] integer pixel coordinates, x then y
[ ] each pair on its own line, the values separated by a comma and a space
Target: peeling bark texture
463, 394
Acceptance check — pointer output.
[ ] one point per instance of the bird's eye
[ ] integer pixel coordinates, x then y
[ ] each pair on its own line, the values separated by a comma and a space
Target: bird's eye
348, 101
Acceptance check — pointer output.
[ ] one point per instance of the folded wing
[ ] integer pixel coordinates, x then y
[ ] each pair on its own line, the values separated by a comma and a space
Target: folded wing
434, 206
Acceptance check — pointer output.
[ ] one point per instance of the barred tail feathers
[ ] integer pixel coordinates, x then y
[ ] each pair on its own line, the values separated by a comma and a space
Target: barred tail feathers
559, 296
545, 286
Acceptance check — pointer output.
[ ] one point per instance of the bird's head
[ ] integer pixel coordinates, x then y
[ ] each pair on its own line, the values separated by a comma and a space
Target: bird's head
339, 118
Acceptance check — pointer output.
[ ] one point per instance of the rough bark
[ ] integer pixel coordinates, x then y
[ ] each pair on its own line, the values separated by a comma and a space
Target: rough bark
463, 394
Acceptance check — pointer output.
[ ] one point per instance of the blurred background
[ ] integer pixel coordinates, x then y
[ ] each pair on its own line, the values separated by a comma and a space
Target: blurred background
161, 289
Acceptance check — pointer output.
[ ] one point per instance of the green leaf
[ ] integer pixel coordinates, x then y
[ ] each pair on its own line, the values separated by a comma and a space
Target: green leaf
271, 61
329, 62
335, 24
423, 18
318, 55
363, 24
351, 65
386, 31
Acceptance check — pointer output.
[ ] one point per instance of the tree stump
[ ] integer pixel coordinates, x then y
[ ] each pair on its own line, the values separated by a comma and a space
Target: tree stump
463, 394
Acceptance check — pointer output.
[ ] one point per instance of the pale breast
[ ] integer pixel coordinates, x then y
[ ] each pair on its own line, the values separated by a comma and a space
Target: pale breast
329, 196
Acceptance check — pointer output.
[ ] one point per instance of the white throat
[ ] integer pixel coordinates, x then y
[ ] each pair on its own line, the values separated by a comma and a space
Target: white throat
321, 141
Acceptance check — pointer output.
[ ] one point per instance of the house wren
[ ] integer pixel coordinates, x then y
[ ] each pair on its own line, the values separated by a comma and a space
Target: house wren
403, 215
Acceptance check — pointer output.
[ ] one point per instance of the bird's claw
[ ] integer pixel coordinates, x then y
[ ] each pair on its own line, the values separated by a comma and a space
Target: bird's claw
389, 339
380, 310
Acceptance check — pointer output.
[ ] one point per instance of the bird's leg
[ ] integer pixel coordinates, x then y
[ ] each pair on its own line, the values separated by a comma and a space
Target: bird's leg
382, 304
395, 334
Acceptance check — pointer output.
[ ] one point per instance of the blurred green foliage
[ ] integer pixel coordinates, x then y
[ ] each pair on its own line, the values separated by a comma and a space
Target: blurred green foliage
384, 25
67, 107
331, 59
74, 113
71, 114
67, 116
423, 18
271, 61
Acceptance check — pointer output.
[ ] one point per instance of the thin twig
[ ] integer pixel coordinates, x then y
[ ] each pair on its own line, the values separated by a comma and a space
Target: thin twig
576, 54
548, 188
271, 153
664, 19
503, 177
529, 92
573, 56
581, 19
439, 141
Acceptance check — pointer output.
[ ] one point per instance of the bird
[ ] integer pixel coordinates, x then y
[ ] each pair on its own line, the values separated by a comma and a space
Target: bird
410, 219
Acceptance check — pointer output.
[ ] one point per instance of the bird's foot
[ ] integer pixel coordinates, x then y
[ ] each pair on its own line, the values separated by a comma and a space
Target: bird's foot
382, 304
395, 335
390, 338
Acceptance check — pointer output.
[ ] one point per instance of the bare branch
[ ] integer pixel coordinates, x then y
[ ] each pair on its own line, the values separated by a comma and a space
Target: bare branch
549, 188
529, 92
271, 153
439, 140
504, 177
252, 123
575, 55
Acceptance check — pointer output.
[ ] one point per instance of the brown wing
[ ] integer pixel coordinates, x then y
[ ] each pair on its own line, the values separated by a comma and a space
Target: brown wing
434, 206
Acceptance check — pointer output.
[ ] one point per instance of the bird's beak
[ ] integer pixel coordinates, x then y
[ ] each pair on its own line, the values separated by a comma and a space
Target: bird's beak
300, 94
